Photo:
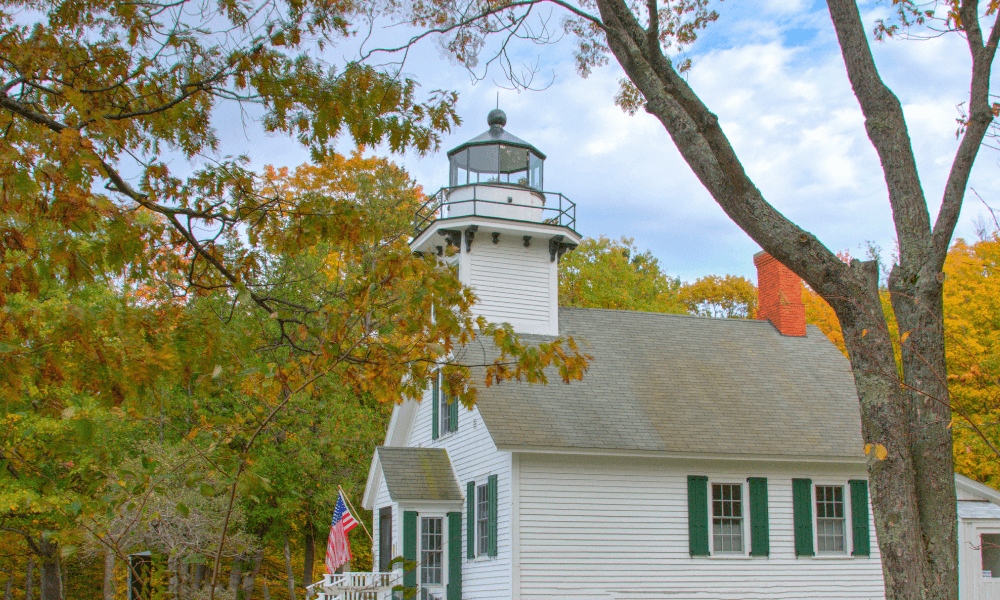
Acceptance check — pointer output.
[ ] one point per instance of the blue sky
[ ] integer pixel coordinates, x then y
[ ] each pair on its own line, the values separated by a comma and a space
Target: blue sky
772, 72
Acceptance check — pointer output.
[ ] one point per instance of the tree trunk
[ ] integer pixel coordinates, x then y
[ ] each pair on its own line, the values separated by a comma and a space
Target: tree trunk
236, 578
51, 584
288, 569
310, 552
188, 580
917, 302
29, 579
7, 591
267, 592
174, 567
108, 587
250, 580
199, 576
913, 495
913, 486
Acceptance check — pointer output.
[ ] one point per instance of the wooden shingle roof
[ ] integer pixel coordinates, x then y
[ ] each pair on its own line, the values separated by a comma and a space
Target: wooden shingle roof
686, 386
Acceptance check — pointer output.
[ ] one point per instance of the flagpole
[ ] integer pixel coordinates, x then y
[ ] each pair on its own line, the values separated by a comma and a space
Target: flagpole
355, 512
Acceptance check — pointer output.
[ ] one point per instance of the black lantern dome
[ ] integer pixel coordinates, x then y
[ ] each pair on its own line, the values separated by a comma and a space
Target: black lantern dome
496, 156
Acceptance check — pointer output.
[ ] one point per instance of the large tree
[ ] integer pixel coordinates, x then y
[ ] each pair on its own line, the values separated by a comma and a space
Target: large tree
105, 248
912, 486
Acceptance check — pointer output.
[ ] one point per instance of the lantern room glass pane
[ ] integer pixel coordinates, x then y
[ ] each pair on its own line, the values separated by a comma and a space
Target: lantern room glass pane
496, 163
512, 159
484, 160
535, 172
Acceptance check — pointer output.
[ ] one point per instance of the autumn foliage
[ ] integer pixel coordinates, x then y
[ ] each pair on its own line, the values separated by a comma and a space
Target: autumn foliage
972, 330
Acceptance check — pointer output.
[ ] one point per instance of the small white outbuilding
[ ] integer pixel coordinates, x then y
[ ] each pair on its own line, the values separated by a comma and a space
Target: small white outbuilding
978, 539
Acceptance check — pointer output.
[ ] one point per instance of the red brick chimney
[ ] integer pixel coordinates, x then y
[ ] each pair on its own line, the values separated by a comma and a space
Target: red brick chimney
779, 296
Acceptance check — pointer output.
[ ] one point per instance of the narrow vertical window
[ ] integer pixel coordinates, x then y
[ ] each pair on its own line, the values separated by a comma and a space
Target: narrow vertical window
446, 424
447, 408
431, 556
727, 517
435, 407
482, 520
830, 518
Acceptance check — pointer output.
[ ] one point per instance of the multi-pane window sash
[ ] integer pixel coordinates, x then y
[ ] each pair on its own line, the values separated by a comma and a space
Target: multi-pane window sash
727, 517
445, 418
425, 594
445, 413
482, 520
830, 518
431, 550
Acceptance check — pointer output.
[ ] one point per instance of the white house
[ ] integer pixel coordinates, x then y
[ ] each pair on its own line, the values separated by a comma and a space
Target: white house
698, 458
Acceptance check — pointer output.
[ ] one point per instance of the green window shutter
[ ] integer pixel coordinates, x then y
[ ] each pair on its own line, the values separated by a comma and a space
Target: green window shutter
410, 549
470, 520
698, 515
436, 401
859, 518
493, 515
760, 542
453, 414
802, 515
454, 556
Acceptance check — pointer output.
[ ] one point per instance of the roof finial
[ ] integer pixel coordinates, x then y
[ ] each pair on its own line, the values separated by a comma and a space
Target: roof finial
497, 118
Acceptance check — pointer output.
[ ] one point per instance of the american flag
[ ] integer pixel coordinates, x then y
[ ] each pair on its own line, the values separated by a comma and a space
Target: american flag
338, 549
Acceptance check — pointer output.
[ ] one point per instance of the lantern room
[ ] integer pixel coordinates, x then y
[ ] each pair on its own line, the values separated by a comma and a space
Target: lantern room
496, 157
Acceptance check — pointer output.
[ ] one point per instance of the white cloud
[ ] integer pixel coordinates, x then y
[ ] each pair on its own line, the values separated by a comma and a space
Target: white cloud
783, 7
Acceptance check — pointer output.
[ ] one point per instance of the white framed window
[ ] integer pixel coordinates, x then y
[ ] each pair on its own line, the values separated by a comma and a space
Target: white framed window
482, 520
728, 514
831, 513
432, 575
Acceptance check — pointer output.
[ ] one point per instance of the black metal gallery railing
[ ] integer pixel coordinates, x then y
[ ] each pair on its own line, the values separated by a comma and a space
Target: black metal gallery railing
555, 209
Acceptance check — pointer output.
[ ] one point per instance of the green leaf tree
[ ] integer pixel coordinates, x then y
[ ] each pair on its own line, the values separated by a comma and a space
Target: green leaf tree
606, 273
726, 296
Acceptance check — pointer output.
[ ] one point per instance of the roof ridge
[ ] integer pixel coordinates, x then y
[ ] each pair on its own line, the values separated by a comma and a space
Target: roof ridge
663, 314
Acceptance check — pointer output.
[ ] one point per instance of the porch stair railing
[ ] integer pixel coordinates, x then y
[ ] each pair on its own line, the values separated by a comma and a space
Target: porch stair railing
355, 586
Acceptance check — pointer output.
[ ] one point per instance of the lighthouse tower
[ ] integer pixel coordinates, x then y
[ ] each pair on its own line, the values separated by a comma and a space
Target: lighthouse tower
506, 232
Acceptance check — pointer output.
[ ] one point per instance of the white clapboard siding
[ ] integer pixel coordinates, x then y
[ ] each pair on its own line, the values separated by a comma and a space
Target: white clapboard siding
512, 283
617, 529
474, 458
382, 500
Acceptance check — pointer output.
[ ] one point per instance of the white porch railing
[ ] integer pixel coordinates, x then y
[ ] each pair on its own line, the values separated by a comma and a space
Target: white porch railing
989, 589
356, 586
